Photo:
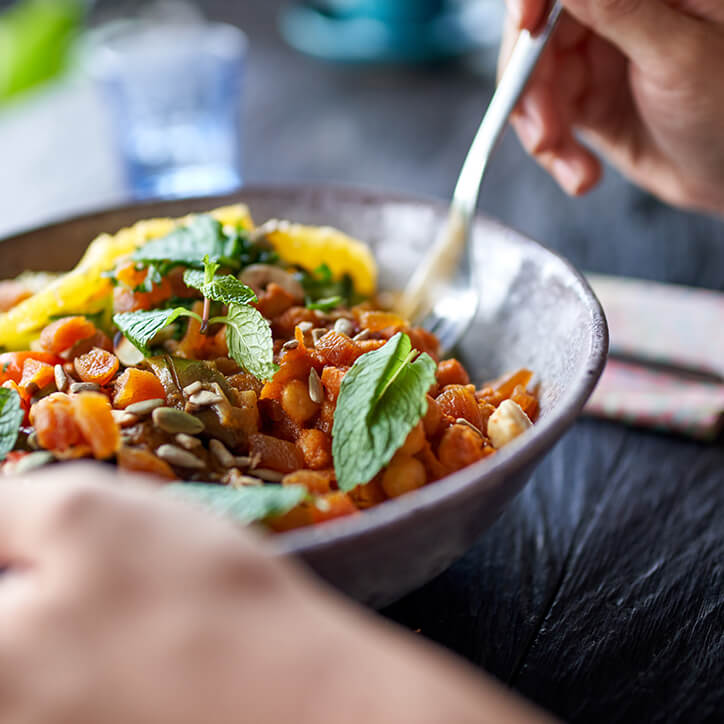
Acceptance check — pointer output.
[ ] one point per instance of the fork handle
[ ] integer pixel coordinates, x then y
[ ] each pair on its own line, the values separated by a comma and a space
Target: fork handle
453, 241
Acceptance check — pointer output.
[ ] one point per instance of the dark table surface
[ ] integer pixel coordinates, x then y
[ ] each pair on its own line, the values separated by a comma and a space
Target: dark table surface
599, 593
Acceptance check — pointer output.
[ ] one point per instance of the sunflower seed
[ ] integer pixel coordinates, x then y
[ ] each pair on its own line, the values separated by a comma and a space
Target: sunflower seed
363, 335
291, 344
271, 476
179, 457
222, 455
316, 391
344, 326
467, 423
193, 388
33, 461
236, 479
61, 378
84, 387
242, 462
205, 398
188, 442
124, 418
146, 407
33, 443
171, 420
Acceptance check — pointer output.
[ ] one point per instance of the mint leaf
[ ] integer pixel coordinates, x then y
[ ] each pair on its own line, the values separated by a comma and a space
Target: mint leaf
249, 338
381, 399
226, 289
244, 505
325, 305
139, 328
11, 417
186, 245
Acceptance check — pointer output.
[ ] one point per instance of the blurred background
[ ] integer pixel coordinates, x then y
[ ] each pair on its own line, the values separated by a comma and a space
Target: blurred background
101, 102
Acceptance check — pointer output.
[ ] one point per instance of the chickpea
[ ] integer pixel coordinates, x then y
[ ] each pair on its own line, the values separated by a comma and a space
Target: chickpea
403, 475
297, 403
415, 441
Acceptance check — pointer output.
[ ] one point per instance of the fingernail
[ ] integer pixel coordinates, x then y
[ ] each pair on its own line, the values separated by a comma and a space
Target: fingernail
568, 175
530, 131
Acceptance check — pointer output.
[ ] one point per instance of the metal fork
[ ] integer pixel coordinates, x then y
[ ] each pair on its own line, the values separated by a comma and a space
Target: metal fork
442, 295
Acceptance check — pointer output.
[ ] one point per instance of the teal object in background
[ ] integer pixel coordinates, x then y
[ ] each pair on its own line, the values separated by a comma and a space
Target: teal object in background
379, 31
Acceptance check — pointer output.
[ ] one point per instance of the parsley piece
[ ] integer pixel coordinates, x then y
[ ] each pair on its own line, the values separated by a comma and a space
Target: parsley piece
250, 342
381, 399
139, 328
11, 417
319, 286
245, 505
325, 305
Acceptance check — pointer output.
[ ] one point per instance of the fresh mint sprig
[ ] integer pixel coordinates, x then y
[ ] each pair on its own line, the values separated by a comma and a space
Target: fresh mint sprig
382, 398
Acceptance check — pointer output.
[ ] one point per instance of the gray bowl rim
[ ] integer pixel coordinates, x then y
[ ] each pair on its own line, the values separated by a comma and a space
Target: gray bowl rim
458, 487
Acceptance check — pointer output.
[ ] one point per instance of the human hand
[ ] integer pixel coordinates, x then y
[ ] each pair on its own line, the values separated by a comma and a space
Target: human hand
638, 80
117, 605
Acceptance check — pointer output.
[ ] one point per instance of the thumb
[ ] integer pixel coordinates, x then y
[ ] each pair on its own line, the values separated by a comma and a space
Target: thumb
651, 33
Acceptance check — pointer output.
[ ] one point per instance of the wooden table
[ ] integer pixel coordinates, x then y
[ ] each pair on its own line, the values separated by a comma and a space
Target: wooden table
600, 592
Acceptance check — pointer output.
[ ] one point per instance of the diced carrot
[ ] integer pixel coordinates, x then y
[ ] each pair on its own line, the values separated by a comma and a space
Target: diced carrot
275, 454
315, 481
92, 412
337, 349
298, 517
424, 341
55, 423
283, 325
12, 293
370, 345
295, 365
460, 446
459, 401
325, 422
126, 299
332, 380
332, 505
11, 363
274, 301
193, 342
369, 495
451, 372
507, 384
527, 402
316, 447
376, 321
62, 334
96, 366
140, 460
136, 385
36, 376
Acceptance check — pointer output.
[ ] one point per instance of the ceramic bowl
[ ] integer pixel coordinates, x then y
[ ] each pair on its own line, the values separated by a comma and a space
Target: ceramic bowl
537, 311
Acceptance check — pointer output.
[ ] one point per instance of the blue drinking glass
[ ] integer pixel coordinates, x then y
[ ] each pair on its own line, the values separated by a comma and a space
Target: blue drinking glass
174, 92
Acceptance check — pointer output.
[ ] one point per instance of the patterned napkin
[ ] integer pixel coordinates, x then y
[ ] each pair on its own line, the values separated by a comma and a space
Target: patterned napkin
668, 367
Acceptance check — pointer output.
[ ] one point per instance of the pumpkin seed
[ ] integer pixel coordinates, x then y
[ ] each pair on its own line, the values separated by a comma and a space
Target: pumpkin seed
344, 326
188, 442
271, 476
145, 407
179, 457
77, 387
236, 479
61, 378
124, 418
242, 462
173, 421
33, 461
220, 452
193, 388
291, 344
205, 398
316, 391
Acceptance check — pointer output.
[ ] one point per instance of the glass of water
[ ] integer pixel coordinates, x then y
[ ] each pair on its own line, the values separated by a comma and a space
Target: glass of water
173, 91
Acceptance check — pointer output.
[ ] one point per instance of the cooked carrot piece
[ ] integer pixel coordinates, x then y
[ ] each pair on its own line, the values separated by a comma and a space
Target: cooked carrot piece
136, 385
274, 301
36, 375
96, 366
140, 460
506, 385
338, 349
62, 334
315, 481
298, 517
127, 299
11, 363
527, 402
376, 321
92, 412
460, 446
12, 293
459, 401
275, 454
332, 380
433, 467
316, 447
283, 326
369, 495
424, 341
451, 372
24, 398
332, 505
55, 423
